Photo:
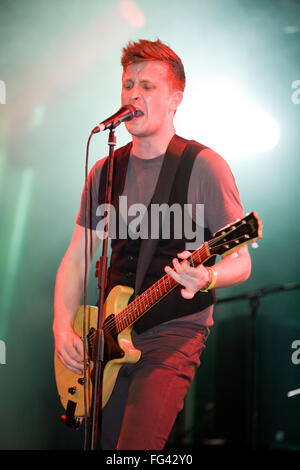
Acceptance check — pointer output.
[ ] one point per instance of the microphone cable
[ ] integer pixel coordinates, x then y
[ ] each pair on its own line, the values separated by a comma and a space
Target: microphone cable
85, 296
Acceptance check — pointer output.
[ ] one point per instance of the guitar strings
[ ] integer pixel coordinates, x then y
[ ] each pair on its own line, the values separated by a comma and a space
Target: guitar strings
139, 301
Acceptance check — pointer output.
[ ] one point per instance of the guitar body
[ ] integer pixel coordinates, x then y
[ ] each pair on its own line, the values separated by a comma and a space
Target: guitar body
118, 318
118, 350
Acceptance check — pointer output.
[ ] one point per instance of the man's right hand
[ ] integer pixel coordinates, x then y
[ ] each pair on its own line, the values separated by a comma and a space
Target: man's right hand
69, 287
69, 349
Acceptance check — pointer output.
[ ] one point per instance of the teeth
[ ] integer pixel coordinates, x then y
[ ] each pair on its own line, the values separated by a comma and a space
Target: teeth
139, 113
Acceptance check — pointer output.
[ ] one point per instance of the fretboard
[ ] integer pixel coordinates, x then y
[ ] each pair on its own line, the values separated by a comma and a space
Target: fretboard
141, 304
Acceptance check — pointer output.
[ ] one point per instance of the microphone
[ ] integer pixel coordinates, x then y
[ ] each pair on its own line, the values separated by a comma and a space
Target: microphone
125, 113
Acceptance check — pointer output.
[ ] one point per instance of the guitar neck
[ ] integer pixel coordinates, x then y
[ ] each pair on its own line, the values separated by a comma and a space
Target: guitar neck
141, 304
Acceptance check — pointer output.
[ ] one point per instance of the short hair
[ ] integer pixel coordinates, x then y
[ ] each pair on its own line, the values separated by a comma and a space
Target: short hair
143, 50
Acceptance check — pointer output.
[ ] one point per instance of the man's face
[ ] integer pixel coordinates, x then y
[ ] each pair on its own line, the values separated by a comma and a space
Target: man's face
147, 87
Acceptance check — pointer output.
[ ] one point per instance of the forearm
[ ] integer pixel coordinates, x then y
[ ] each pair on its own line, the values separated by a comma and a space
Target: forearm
68, 292
233, 269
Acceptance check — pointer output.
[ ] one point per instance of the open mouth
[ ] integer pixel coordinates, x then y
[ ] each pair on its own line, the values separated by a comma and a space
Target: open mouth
138, 113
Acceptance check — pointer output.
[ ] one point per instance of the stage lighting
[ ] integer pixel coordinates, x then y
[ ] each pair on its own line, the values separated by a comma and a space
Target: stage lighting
217, 112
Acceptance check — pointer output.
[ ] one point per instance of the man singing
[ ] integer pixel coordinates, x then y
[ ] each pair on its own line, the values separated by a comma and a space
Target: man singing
171, 336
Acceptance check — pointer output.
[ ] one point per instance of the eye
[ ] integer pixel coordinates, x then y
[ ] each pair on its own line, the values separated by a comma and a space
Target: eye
148, 86
127, 85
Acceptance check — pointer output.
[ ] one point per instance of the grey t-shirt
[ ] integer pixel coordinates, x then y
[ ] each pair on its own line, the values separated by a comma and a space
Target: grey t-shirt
211, 184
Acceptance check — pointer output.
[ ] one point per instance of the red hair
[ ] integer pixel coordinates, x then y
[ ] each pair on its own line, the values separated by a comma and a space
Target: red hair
143, 50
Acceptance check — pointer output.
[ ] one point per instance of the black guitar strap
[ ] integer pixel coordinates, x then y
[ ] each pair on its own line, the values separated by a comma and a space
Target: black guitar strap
175, 151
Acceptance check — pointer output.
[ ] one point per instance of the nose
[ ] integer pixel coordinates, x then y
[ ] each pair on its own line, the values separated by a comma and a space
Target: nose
134, 94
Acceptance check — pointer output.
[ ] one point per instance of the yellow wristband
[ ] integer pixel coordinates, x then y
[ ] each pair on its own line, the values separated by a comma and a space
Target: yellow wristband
213, 281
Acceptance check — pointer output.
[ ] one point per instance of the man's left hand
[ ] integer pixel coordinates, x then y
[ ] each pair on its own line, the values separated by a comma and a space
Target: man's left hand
192, 279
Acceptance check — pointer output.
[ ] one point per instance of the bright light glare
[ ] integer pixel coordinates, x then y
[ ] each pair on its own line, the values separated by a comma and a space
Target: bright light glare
217, 113
132, 13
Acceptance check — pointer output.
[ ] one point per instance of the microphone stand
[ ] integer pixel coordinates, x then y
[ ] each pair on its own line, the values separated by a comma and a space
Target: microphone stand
254, 299
101, 273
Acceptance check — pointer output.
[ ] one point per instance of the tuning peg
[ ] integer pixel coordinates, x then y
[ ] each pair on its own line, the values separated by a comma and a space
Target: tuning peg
254, 245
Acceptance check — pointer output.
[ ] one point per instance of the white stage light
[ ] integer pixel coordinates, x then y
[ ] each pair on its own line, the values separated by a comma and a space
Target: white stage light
217, 113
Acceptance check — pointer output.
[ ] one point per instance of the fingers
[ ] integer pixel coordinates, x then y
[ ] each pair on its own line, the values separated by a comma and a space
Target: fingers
192, 279
72, 364
187, 294
180, 267
183, 274
70, 351
78, 345
183, 269
184, 254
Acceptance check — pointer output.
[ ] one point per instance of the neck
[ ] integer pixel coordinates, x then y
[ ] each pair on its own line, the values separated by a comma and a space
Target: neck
151, 146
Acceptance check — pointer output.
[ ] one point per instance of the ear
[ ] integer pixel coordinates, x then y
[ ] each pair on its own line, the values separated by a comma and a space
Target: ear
175, 100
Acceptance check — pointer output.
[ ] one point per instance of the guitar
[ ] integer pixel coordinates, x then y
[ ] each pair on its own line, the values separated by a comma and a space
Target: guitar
119, 316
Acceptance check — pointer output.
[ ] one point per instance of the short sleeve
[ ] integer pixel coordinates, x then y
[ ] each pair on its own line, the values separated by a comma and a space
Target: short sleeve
89, 212
213, 184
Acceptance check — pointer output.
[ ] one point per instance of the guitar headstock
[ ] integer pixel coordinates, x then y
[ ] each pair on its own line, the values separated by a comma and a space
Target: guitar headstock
241, 232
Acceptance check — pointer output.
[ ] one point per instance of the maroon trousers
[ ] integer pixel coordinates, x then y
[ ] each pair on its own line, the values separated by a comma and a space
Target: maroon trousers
148, 395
